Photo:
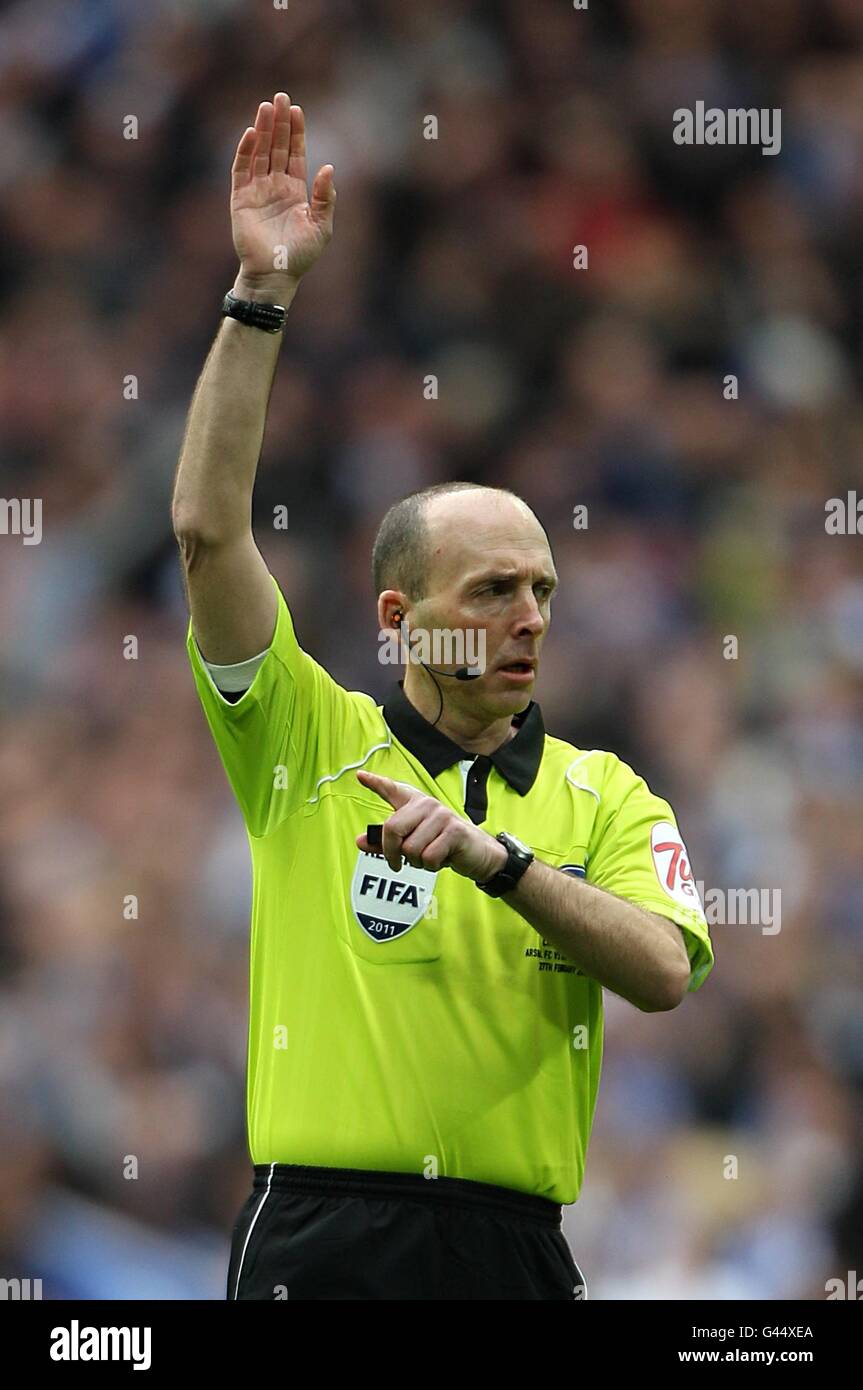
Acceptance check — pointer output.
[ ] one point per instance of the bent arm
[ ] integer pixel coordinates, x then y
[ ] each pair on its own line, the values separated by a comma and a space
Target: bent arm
631, 951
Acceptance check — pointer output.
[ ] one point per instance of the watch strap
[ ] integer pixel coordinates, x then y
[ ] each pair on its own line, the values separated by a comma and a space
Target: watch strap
517, 863
270, 317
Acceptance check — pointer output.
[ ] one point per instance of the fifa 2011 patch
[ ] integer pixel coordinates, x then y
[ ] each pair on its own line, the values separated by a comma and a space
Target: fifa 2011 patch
386, 902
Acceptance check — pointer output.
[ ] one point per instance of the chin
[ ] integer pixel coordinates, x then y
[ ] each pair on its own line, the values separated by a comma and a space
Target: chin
511, 701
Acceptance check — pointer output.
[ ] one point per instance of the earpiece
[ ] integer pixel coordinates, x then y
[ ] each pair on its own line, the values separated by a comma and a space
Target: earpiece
464, 673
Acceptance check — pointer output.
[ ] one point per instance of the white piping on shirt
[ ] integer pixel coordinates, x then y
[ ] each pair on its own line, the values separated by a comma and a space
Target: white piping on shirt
332, 776
581, 786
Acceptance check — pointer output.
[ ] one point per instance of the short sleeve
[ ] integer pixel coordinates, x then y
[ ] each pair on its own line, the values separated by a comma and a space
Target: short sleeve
637, 853
285, 732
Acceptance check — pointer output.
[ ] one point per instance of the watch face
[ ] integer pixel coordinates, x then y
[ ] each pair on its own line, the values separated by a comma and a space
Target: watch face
517, 844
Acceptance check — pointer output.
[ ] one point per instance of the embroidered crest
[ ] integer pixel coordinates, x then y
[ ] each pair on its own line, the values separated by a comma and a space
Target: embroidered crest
387, 904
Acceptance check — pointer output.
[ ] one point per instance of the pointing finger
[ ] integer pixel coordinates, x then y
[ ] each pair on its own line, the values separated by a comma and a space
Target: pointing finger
396, 793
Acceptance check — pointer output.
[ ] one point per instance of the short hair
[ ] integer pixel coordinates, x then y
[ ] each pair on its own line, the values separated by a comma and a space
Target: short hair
401, 556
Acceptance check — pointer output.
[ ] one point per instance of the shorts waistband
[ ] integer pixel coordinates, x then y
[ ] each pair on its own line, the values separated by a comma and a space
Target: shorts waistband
366, 1182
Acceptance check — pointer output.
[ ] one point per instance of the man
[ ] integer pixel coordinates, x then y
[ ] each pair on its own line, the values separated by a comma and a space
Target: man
425, 1030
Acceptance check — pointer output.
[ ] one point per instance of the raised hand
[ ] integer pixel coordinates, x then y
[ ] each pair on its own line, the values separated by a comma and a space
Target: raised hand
279, 232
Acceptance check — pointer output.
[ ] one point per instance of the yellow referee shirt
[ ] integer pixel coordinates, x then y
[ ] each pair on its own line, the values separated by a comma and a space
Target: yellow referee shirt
407, 1021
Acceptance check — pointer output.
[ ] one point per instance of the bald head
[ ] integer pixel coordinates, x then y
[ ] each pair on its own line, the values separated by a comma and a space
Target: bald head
433, 535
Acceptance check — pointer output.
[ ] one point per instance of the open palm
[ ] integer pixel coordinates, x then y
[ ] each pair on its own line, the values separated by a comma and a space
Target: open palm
276, 227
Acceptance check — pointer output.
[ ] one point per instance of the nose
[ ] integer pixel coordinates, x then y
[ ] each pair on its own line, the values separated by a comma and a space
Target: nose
531, 619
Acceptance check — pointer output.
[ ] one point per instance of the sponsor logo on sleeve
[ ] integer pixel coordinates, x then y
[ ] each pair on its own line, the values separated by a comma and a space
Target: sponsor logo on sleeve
671, 861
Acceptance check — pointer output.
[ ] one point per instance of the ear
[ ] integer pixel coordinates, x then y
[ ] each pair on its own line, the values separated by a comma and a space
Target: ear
391, 602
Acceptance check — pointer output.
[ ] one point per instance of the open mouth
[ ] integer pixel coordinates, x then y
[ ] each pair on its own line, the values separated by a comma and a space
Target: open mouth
518, 668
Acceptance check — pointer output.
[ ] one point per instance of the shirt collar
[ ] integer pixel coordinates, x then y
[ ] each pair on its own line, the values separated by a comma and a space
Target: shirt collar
517, 760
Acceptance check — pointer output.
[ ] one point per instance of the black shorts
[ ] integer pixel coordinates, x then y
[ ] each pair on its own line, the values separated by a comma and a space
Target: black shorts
347, 1233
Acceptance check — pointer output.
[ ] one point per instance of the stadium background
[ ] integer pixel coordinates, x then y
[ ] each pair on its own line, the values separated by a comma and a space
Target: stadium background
601, 387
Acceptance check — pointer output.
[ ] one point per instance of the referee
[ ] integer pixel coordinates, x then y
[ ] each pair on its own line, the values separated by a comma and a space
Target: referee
425, 1029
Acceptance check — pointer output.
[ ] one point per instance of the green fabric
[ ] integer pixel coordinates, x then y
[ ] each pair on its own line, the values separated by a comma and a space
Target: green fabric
463, 1046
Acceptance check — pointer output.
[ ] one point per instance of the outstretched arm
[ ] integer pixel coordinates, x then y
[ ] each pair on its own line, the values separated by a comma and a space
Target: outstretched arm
231, 596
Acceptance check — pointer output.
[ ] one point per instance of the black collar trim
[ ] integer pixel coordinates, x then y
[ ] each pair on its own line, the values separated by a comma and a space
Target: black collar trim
517, 760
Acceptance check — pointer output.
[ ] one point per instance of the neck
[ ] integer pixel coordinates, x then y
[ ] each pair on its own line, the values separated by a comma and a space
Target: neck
468, 728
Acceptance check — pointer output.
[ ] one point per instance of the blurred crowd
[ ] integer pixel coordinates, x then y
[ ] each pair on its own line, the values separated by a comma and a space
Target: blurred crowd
696, 386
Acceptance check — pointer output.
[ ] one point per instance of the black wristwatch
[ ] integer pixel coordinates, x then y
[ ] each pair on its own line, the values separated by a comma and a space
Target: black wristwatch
519, 859
270, 317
